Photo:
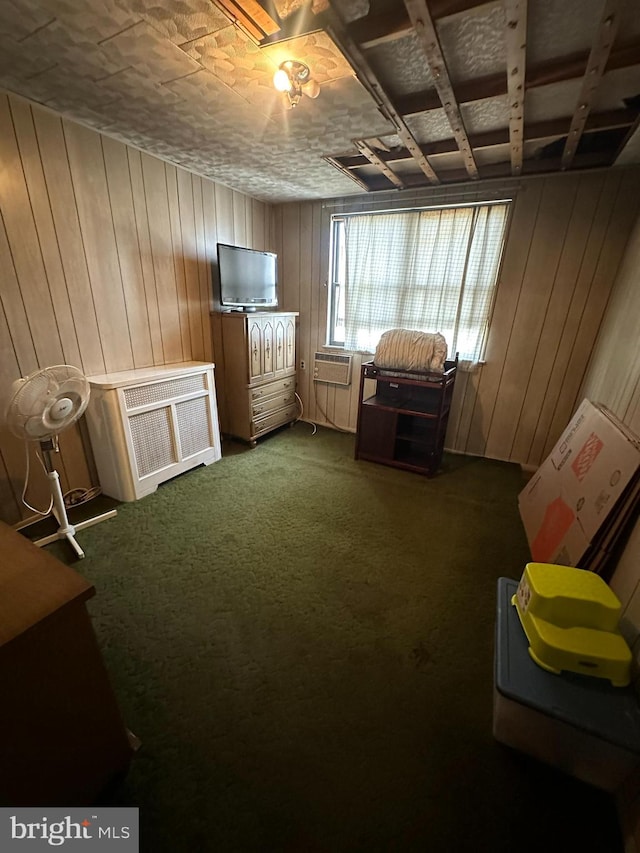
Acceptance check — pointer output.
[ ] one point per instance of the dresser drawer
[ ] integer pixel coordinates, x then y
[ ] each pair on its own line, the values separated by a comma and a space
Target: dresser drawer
271, 388
281, 416
270, 404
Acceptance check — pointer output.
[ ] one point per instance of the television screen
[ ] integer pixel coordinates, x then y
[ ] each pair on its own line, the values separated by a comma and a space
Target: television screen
248, 278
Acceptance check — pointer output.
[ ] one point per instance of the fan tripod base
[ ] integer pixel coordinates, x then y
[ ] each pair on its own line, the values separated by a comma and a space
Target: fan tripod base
66, 530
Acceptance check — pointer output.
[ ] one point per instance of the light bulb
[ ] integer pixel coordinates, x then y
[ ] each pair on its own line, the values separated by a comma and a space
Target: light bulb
281, 81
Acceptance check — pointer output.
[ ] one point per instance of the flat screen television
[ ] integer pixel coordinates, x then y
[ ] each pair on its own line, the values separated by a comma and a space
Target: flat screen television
248, 278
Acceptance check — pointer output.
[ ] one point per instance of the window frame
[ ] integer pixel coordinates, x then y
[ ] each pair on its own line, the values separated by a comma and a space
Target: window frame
337, 288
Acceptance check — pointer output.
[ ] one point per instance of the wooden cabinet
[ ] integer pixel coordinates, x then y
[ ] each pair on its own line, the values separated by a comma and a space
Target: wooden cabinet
63, 737
259, 372
404, 421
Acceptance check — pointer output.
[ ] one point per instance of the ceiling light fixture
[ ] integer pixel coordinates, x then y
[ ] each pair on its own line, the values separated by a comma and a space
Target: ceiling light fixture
294, 79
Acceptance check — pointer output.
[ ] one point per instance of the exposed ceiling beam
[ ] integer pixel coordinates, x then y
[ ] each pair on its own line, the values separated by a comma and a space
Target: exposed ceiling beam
387, 26
425, 29
628, 136
610, 120
516, 44
493, 85
373, 158
250, 17
542, 166
341, 167
337, 31
596, 65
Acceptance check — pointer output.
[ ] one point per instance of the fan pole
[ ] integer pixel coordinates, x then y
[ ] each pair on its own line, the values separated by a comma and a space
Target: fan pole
65, 530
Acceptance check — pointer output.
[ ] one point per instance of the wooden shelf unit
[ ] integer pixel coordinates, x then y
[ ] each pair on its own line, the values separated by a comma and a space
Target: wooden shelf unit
404, 422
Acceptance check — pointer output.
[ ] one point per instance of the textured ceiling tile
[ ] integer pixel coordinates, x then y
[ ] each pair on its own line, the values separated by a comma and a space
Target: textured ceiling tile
97, 19
561, 28
430, 127
180, 20
495, 154
145, 49
290, 143
240, 65
444, 162
401, 65
485, 115
557, 100
317, 50
135, 87
351, 10
70, 48
615, 87
203, 94
86, 115
288, 184
474, 45
17, 62
343, 111
18, 18
27, 87
59, 86
390, 140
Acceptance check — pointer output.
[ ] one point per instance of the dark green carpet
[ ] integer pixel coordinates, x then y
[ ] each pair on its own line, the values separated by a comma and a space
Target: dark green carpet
304, 644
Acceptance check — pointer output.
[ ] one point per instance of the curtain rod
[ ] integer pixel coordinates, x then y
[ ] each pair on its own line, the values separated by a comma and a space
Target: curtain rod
423, 207
420, 197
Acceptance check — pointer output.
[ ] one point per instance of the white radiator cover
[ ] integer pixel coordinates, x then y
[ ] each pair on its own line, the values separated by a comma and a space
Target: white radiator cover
149, 425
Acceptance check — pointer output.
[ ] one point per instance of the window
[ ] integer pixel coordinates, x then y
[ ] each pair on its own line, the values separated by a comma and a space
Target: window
433, 270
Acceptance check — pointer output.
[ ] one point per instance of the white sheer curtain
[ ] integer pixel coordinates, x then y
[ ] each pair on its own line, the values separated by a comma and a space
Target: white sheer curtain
430, 270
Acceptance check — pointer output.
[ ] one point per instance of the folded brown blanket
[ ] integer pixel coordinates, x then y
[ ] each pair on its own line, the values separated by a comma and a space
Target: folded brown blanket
407, 349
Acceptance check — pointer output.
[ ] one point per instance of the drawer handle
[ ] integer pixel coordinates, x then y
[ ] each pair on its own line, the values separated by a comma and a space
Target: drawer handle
258, 409
286, 384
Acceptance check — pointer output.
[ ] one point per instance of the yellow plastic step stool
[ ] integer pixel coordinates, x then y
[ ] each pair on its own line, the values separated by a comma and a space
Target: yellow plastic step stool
570, 617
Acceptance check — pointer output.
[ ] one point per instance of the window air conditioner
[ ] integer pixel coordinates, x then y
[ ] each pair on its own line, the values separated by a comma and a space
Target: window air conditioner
333, 369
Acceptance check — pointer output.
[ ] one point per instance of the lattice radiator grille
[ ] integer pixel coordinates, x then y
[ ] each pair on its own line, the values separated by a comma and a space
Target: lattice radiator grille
152, 443
144, 395
193, 426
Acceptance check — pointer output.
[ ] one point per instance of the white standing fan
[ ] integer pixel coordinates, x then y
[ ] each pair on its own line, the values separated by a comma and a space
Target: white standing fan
41, 406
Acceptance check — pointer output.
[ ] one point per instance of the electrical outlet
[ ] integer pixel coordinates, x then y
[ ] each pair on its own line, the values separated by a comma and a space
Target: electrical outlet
303, 365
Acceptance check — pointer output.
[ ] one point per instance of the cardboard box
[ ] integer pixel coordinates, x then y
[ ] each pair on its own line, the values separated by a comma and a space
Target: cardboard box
566, 502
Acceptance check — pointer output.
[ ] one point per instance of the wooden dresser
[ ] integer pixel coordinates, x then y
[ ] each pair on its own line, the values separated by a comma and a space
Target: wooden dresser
63, 739
259, 372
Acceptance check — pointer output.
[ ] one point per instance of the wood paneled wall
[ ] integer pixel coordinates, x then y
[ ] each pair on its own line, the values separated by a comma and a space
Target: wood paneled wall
613, 378
104, 264
566, 239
